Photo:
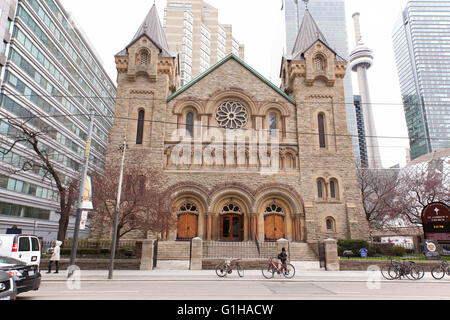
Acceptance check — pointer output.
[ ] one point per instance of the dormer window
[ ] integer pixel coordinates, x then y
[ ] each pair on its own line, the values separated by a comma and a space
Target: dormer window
143, 58
319, 63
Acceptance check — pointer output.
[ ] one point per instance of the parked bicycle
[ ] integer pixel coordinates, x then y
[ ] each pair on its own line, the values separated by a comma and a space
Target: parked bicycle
397, 270
227, 268
275, 266
441, 270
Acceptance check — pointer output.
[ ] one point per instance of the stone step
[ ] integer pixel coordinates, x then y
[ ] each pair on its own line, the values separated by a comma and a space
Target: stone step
302, 252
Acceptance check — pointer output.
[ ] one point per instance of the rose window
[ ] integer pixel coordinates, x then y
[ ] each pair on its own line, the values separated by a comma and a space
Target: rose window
231, 115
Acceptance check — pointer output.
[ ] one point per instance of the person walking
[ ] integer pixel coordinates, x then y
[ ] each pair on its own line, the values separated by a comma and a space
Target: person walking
56, 255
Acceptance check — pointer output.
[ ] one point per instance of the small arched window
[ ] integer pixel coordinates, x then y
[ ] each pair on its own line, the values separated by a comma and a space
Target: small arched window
190, 124
319, 64
140, 127
143, 57
273, 125
320, 189
334, 189
330, 224
321, 124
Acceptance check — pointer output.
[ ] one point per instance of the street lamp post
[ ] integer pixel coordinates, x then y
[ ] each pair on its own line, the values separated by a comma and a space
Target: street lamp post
116, 212
73, 254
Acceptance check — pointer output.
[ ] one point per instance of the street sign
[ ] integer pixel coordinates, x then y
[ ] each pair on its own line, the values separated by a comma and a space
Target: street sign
363, 253
436, 221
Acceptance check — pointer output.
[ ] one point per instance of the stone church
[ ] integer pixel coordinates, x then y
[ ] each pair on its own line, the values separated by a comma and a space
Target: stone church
242, 158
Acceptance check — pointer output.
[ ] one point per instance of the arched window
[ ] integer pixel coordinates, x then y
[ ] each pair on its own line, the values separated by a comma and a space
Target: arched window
320, 189
321, 123
319, 64
334, 194
143, 57
140, 127
190, 124
330, 224
273, 125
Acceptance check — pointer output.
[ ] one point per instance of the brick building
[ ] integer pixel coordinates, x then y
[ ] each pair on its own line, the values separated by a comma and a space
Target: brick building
242, 158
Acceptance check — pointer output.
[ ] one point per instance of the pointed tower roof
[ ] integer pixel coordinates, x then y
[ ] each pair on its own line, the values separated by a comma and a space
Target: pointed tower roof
308, 34
152, 29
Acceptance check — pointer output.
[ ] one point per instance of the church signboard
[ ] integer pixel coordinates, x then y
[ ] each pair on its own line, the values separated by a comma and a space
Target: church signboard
436, 222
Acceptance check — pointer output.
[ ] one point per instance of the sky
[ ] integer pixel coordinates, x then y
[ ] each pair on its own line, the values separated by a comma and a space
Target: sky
109, 25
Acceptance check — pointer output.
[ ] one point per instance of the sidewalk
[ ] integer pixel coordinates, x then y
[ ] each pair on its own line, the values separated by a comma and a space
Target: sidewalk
210, 275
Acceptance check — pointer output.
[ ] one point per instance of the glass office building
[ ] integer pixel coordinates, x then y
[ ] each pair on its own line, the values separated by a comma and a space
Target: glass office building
331, 19
53, 77
421, 41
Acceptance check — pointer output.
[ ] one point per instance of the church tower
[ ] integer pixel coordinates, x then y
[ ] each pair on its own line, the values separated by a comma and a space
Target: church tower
147, 74
313, 74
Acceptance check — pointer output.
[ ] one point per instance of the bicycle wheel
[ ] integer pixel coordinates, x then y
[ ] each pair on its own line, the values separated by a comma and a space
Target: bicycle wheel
394, 272
290, 271
268, 271
385, 272
221, 270
420, 272
240, 270
438, 272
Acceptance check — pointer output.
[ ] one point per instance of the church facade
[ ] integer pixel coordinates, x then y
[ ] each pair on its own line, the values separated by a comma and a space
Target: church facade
240, 157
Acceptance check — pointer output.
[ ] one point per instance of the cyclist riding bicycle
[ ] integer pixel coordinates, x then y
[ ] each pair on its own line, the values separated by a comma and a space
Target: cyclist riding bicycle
283, 257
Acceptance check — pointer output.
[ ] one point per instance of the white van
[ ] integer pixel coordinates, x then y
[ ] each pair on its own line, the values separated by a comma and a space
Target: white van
22, 247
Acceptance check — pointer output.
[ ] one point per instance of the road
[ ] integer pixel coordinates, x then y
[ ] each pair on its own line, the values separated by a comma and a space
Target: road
251, 287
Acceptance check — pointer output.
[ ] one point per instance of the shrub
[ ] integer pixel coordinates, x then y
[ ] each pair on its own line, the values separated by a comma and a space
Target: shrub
399, 251
353, 245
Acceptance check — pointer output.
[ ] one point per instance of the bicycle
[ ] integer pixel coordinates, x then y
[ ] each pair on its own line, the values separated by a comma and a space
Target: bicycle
396, 270
275, 265
439, 271
226, 267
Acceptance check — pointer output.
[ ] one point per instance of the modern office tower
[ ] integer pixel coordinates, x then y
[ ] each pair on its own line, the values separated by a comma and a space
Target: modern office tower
192, 29
421, 41
361, 131
361, 59
52, 77
331, 19
7, 12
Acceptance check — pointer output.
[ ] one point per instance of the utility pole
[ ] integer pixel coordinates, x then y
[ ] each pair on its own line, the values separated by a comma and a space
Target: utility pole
116, 211
73, 254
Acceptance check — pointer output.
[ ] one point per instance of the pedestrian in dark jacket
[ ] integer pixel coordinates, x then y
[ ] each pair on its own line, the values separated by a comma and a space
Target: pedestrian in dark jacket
283, 257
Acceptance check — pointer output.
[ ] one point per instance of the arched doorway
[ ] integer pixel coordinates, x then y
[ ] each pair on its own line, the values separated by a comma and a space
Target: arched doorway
274, 224
231, 223
187, 224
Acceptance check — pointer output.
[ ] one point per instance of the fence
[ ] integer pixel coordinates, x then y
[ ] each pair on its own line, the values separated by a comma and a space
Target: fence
92, 244
239, 250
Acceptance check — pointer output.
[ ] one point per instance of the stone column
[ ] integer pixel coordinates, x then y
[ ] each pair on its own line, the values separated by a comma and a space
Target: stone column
196, 254
331, 255
147, 255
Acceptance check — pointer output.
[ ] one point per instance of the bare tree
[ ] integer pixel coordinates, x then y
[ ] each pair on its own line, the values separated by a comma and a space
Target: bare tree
377, 188
44, 163
143, 207
417, 186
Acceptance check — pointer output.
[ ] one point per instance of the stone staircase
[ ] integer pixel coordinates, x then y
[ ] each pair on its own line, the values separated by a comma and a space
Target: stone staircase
173, 255
302, 252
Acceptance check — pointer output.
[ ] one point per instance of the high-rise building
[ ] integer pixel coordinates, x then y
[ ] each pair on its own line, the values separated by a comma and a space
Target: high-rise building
421, 41
7, 12
193, 30
331, 18
52, 77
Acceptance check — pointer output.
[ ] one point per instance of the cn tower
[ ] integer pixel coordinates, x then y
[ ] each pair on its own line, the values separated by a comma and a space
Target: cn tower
361, 59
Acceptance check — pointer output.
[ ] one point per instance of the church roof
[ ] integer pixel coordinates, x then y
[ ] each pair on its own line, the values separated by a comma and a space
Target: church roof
221, 62
308, 34
152, 29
